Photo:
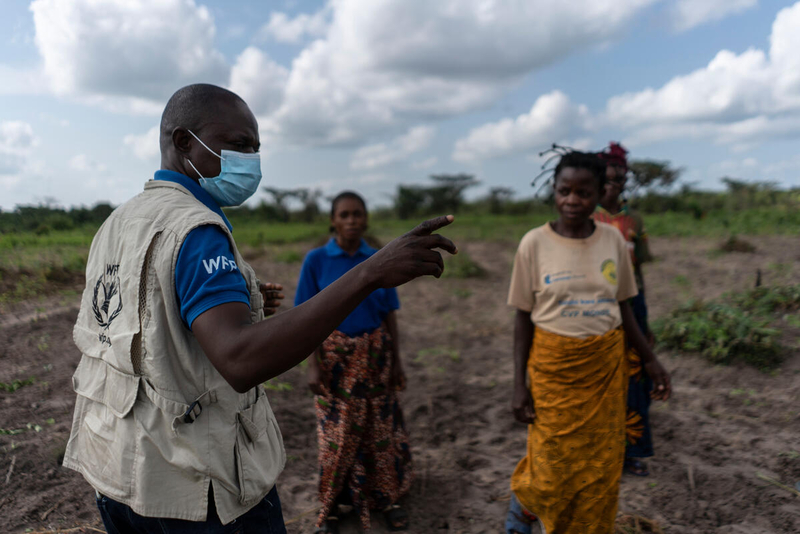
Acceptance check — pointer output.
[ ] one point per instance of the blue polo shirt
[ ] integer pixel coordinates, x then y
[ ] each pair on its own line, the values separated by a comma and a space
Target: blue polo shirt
206, 274
325, 265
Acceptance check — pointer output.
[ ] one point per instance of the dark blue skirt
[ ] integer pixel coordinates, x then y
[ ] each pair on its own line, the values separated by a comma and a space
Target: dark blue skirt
639, 387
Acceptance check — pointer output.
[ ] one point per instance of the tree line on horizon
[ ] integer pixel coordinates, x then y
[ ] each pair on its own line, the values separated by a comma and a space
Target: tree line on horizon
654, 187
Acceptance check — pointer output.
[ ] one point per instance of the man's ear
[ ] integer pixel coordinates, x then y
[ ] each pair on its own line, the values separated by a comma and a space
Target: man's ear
182, 140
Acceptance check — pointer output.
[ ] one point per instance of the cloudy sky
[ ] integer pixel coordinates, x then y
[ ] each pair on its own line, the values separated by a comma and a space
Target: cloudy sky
366, 94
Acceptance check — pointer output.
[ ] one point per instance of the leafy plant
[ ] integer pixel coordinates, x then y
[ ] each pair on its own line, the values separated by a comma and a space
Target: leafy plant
769, 299
16, 384
722, 333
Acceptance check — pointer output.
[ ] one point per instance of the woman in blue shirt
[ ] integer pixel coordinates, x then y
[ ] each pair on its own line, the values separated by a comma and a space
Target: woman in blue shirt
364, 456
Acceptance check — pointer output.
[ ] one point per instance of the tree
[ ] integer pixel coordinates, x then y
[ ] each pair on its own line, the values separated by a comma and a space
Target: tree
750, 194
651, 174
410, 200
448, 193
279, 198
498, 198
309, 198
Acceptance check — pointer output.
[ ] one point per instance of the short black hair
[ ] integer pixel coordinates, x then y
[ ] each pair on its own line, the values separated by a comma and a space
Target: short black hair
191, 107
343, 195
589, 161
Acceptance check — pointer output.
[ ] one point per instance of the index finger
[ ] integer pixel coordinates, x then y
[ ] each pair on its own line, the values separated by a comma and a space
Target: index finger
439, 241
431, 225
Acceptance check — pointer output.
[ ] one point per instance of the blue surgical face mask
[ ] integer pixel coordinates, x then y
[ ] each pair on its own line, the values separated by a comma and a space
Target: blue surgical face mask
238, 179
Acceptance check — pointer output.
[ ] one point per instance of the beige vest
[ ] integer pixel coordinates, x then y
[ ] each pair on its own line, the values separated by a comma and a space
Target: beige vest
154, 422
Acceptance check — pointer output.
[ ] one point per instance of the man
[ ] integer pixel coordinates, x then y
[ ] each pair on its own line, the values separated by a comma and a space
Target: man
171, 427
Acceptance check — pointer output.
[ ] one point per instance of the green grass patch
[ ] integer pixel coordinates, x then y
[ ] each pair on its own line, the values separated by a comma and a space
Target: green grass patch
35, 263
462, 266
462, 292
438, 352
278, 386
681, 281
737, 327
288, 256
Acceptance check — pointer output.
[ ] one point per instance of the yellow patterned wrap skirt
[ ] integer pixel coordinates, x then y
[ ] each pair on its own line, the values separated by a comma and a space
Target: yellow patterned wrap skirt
570, 476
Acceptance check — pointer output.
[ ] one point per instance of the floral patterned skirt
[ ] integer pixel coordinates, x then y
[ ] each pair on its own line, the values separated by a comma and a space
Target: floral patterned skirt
363, 442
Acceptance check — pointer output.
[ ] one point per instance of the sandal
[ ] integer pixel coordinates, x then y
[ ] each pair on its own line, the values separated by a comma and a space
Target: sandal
636, 467
396, 518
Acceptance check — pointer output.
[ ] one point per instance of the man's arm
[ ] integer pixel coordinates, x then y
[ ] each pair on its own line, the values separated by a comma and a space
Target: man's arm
247, 354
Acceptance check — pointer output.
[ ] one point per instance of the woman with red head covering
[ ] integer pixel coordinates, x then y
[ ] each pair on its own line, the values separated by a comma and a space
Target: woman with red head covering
614, 211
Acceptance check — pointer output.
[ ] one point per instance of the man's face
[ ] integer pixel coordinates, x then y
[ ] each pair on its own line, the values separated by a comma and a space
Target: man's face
233, 127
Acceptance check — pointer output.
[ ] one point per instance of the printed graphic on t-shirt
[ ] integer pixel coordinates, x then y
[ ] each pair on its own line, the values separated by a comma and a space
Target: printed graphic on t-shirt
212, 265
571, 308
609, 270
562, 276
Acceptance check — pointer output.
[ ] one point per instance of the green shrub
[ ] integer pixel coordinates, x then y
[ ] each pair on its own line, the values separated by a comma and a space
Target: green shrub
722, 333
769, 299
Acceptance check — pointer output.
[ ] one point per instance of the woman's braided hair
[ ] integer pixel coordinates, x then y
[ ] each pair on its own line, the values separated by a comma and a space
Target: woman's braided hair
568, 157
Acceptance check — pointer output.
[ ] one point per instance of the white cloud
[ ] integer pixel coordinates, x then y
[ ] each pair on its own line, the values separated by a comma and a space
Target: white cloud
382, 154
738, 168
553, 117
145, 146
737, 99
16, 136
426, 163
389, 63
294, 30
126, 55
688, 14
258, 80
83, 163
17, 142
21, 81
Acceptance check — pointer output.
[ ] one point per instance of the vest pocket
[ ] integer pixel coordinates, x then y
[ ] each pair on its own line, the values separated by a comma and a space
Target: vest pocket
259, 451
105, 451
99, 381
105, 447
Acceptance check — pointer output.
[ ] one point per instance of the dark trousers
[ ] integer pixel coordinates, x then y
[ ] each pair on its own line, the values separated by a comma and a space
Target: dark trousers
265, 518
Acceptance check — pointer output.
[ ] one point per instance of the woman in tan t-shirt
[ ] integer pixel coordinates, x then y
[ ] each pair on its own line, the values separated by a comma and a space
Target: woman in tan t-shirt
571, 282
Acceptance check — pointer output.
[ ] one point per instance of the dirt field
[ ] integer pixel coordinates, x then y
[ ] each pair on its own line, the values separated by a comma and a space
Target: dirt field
722, 427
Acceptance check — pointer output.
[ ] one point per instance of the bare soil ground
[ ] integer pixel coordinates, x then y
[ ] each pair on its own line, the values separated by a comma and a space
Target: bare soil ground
723, 426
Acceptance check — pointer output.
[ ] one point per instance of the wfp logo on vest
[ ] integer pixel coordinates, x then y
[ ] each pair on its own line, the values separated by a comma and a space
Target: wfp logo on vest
213, 265
107, 301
